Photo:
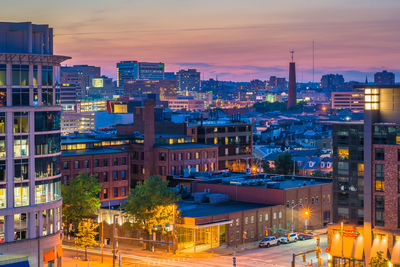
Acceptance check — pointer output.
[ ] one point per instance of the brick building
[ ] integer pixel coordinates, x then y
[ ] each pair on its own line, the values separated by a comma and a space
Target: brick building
378, 182
111, 166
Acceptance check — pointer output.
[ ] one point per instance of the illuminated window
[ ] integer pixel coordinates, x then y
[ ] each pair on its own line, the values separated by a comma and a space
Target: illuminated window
360, 169
371, 97
343, 153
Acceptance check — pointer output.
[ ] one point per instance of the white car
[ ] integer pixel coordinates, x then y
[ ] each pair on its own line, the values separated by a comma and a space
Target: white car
292, 238
269, 241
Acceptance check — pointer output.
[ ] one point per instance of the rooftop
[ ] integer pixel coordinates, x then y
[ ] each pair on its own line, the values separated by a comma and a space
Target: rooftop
184, 145
195, 210
94, 151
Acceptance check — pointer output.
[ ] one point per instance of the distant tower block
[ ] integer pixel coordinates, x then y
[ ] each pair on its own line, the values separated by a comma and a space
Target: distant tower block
292, 83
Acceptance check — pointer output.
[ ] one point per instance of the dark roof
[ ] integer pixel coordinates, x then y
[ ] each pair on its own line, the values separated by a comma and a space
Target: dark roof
94, 151
195, 210
184, 145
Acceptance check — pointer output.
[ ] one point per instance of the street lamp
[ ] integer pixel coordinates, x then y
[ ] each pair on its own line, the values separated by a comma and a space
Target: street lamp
307, 215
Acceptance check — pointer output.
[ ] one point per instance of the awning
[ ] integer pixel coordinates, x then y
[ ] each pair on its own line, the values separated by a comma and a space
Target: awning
205, 225
60, 251
358, 249
379, 244
396, 253
336, 245
348, 244
49, 256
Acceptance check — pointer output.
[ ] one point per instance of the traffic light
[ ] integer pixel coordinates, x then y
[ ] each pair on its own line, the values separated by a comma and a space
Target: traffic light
266, 232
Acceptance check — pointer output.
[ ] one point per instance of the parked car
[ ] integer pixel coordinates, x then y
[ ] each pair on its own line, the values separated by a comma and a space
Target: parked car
292, 238
306, 236
269, 241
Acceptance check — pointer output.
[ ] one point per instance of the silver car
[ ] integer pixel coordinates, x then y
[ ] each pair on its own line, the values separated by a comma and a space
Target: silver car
292, 238
269, 241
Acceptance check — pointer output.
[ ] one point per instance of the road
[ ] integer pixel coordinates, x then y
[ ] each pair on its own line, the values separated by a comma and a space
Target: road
276, 256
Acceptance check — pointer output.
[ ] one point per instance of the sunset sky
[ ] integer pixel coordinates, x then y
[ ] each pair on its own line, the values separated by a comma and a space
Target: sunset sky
235, 40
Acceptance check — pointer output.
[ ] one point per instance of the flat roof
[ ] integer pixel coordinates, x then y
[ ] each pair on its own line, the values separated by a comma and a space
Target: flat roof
197, 210
78, 140
93, 151
184, 145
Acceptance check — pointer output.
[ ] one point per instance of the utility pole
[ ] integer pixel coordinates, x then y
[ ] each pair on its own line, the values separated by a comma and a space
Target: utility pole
114, 237
102, 236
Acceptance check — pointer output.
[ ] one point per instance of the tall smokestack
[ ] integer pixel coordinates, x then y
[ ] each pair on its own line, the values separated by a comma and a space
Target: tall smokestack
292, 83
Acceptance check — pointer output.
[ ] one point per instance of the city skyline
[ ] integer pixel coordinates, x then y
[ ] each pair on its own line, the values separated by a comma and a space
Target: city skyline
231, 40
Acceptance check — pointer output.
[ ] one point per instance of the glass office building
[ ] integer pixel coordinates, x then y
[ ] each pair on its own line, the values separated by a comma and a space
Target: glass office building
30, 178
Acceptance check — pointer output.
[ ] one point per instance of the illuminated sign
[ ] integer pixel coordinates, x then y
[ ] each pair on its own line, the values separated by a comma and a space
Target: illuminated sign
97, 82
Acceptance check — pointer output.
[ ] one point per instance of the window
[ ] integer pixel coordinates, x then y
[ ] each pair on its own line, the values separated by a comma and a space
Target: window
20, 96
20, 226
266, 217
105, 163
47, 144
3, 75
274, 215
47, 167
20, 75
115, 175
312, 201
47, 121
197, 155
115, 162
21, 194
379, 177
343, 168
76, 164
123, 191
2, 122
189, 156
105, 177
379, 154
280, 215
162, 156
246, 220
316, 200
124, 161
380, 210
3, 172
115, 191
237, 222
21, 146
2, 147
96, 163
260, 217
21, 122
360, 169
21, 169
123, 175
288, 204
3, 199
86, 164
343, 153
105, 193
47, 97
47, 75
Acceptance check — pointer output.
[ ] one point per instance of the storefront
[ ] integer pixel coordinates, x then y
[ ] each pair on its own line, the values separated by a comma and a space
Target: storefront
196, 238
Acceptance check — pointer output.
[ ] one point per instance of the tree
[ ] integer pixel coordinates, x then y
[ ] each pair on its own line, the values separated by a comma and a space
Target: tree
80, 199
266, 167
85, 238
284, 164
151, 204
379, 260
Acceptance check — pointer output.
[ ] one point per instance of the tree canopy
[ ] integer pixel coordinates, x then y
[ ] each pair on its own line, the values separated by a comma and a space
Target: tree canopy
150, 203
85, 238
284, 164
80, 199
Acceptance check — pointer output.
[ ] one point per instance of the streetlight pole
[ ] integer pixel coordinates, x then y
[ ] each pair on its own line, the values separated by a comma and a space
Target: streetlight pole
292, 214
102, 236
114, 237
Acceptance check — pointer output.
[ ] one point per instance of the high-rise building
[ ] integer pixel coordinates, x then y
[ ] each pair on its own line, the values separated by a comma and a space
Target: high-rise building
188, 80
81, 76
332, 81
367, 182
384, 78
30, 178
133, 70
68, 96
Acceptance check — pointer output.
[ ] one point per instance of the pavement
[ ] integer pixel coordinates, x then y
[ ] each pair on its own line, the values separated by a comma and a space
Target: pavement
251, 255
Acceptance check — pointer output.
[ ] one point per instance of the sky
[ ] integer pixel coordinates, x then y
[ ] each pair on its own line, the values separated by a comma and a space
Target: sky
236, 40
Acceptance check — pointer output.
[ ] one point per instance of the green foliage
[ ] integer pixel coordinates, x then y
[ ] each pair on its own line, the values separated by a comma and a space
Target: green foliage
284, 164
80, 199
150, 203
85, 238
379, 260
277, 106
266, 167
321, 174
